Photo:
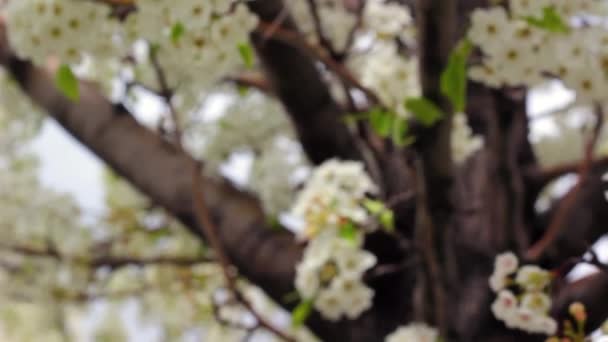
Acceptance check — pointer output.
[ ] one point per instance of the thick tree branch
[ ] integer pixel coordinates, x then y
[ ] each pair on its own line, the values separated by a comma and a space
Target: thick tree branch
566, 206
162, 172
586, 223
437, 21
298, 84
592, 291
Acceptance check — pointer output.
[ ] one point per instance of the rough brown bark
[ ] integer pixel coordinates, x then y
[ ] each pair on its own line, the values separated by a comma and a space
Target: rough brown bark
298, 84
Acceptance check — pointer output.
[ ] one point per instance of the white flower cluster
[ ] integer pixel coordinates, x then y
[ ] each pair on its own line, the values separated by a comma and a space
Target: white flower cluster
390, 75
335, 19
331, 273
20, 120
463, 142
333, 196
382, 68
272, 176
388, 19
258, 125
197, 42
414, 332
385, 20
63, 29
529, 309
519, 50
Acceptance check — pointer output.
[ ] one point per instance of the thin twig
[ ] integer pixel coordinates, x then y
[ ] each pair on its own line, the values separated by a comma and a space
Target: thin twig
353, 31
541, 177
102, 261
251, 80
295, 39
323, 40
566, 206
225, 322
167, 94
209, 229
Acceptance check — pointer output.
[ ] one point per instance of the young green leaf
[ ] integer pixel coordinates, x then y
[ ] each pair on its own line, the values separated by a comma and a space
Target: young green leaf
349, 232
67, 83
300, 314
387, 220
400, 133
177, 31
291, 297
453, 81
425, 111
351, 119
243, 90
381, 122
274, 223
550, 21
373, 206
247, 54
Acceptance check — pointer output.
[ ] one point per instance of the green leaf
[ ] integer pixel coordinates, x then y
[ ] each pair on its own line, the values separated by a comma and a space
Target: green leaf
300, 314
67, 83
274, 223
351, 119
349, 232
400, 133
387, 220
550, 21
177, 31
373, 206
453, 81
158, 234
243, 90
381, 122
247, 54
425, 111
291, 297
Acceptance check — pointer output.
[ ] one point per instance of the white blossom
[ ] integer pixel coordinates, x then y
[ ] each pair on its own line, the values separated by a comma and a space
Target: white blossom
463, 142
504, 305
533, 278
331, 272
333, 195
537, 302
414, 332
506, 263
41, 29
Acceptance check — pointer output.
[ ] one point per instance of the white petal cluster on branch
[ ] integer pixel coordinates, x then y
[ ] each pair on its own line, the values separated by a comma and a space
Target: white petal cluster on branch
463, 142
518, 50
257, 125
522, 300
331, 274
20, 120
331, 271
414, 332
333, 196
197, 42
62, 29
393, 77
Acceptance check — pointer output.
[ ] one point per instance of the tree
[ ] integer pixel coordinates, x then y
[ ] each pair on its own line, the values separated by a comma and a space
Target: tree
425, 220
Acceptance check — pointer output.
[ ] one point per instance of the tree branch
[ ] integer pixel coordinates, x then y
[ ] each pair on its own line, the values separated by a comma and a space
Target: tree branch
301, 89
568, 203
163, 172
592, 291
112, 262
203, 218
